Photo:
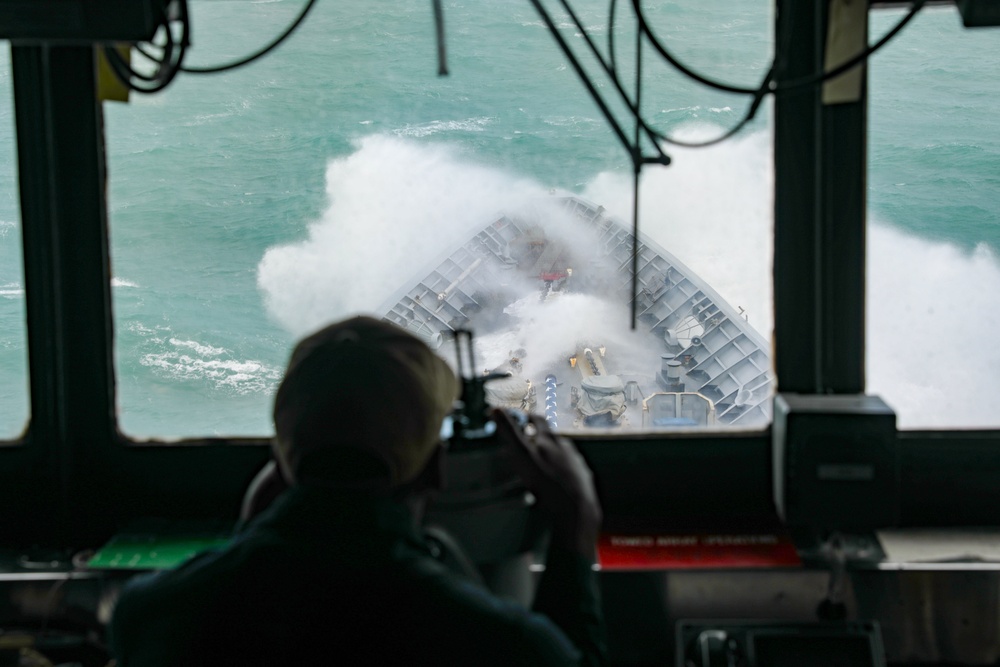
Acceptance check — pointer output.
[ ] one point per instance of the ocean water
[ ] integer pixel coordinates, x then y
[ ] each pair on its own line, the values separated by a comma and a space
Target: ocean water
249, 208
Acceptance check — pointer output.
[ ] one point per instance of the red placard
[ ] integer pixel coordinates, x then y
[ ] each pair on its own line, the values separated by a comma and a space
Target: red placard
685, 551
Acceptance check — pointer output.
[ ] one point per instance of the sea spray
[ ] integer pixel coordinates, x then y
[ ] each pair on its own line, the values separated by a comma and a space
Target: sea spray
712, 209
933, 317
394, 207
397, 206
551, 330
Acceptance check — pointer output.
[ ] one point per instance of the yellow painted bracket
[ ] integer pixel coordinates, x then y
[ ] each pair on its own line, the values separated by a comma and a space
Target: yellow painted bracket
846, 36
109, 87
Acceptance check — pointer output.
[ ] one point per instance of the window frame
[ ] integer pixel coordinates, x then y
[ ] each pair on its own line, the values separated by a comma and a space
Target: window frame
77, 468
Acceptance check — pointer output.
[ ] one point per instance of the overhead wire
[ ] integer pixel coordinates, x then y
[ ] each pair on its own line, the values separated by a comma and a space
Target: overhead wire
822, 77
588, 84
636, 173
610, 67
678, 65
168, 63
442, 52
612, 8
768, 84
613, 75
215, 69
819, 77
610, 70
750, 114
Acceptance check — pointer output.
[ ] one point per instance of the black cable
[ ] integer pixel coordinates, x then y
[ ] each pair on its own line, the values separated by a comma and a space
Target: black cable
802, 82
662, 50
122, 70
718, 140
161, 60
582, 74
654, 134
613, 75
439, 33
776, 86
142, 48
767, 85
167, 66
159, 81
636, 172
612, 8
751, 113
257, 54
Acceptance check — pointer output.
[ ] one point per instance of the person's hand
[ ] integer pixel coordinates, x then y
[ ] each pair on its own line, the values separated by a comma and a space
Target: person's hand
555, 472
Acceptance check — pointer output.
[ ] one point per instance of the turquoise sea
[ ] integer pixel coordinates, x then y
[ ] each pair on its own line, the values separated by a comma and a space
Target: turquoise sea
249, 207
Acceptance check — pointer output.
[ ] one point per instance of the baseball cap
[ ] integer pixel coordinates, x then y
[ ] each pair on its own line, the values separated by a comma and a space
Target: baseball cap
361, 389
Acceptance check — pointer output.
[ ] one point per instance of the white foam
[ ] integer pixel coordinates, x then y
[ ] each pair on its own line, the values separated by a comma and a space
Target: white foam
553, 330
239, 376
122, 282
681, 109
12, 291
570, 121
441, 126
933, 318
139, 328
203, 350
395, 207
712, 209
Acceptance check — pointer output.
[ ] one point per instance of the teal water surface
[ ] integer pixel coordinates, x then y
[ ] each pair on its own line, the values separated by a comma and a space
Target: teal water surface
249, 207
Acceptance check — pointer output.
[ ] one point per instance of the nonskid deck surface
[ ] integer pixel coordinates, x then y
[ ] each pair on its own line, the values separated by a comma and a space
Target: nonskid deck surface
548, 293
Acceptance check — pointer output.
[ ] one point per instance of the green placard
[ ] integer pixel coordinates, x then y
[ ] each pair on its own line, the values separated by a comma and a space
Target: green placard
158, 547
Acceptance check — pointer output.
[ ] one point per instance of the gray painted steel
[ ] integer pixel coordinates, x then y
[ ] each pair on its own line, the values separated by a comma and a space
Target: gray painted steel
723, 357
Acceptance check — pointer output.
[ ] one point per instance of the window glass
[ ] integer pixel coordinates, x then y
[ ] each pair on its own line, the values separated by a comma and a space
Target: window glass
934, 223
13, 341
341, 175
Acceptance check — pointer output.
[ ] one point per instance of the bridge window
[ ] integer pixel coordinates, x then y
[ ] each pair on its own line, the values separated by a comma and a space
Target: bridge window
340, 175
13, 341
934, 224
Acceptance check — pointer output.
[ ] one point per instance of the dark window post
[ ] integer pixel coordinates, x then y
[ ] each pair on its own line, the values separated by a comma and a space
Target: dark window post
819, 217
67, 273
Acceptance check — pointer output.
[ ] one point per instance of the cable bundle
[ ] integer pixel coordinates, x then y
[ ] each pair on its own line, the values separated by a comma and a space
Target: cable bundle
169, 45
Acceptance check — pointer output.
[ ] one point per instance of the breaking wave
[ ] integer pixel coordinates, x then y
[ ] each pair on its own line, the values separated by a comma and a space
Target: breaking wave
396, 206
193, 362
443, 126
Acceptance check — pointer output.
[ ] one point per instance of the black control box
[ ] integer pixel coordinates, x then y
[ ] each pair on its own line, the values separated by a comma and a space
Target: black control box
835, 462
80, 21
750, 643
